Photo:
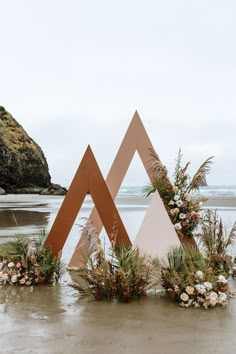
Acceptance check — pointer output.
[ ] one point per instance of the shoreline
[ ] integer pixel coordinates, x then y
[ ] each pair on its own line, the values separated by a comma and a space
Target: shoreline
121, 200
212, 201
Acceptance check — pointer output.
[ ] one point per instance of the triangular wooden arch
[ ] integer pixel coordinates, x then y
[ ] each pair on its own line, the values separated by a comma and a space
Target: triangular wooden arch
88, 178
135, 139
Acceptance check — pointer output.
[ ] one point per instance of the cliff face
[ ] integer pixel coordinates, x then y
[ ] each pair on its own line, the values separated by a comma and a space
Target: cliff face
23, 166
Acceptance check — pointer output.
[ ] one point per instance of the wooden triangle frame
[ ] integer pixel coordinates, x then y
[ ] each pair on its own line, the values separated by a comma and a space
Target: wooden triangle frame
135, 139
88, 178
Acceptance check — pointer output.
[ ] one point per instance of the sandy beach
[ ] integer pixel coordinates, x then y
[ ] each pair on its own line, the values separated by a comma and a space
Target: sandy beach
53, 319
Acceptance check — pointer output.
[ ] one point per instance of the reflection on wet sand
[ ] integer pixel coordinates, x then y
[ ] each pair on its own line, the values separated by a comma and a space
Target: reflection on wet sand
19, 218
53, 319
26, 214
24, 222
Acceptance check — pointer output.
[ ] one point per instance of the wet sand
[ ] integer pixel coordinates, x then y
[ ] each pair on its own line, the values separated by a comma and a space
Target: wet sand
53, 319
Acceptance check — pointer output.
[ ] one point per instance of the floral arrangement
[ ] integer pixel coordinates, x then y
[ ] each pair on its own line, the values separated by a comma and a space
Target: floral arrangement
183, 210
18, 273
28, 262
188, 279
201, 293
123, 277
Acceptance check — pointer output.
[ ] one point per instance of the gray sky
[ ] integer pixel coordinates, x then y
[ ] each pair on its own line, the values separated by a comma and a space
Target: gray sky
73, 73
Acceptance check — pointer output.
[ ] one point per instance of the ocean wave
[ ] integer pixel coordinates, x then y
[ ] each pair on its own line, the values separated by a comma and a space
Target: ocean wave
208, 191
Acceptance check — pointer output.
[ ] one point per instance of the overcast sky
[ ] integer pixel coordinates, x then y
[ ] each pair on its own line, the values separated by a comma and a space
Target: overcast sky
73, 72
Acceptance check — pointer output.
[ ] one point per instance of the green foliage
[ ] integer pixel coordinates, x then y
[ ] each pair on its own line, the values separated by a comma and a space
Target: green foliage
17, 248
181, 264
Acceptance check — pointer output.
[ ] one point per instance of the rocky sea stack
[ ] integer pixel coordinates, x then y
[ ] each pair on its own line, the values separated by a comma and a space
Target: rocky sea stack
23, 166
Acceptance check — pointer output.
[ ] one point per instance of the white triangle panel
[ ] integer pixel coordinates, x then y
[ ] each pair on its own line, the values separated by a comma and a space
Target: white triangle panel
157, 234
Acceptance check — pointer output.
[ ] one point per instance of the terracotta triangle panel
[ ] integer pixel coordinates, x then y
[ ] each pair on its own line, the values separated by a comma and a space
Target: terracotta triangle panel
88, 179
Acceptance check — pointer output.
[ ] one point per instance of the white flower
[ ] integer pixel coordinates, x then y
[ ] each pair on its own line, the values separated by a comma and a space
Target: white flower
184, 297
176, 197
222, 298
199, 274
171, 202
212, 298
11, 265
14, 278
4, 276
200, 288
189, 290
193, 212
175, 189
221, 279
190, 301
196, 304
187, 197
22, 281
178, 226
207, 285
182, 216
1, 265
179, 203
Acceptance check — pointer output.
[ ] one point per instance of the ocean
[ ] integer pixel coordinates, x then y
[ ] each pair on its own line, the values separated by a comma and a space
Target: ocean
207, 191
